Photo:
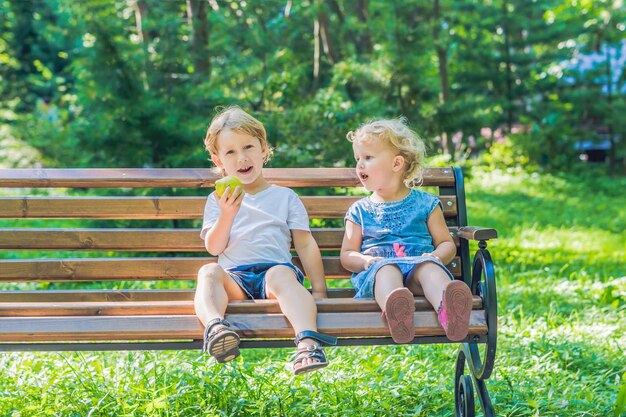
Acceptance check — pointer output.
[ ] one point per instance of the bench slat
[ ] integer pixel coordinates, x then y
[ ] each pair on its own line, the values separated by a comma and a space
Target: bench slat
158, 240
104, 269
184, 307
99, 296
162, 240
160, 208
190, 177
176, 327
141, 207
89, 295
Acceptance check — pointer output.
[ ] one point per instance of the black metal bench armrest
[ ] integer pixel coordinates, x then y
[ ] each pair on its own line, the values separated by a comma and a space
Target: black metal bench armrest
477, 233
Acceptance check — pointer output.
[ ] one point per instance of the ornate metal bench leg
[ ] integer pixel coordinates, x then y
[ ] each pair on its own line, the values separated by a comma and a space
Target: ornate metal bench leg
483, 398
463, 390
481, 368
483, 283
464, 386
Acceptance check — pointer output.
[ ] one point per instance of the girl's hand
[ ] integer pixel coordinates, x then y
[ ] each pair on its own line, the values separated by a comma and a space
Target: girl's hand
371, 260
230, 204
432, 255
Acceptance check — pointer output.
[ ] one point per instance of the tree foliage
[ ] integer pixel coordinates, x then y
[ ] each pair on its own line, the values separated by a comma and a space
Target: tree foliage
135, 82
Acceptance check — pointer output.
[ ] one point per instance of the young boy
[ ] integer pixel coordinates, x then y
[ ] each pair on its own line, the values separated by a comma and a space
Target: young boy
251, 230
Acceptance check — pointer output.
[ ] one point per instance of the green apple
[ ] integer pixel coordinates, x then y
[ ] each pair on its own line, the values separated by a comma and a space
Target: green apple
229, 181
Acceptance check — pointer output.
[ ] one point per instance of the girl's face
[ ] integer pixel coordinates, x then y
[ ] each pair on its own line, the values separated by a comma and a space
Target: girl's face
378, 165
241, 155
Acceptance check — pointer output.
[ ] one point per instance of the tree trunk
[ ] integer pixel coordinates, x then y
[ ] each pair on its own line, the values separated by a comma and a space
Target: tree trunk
609, 98
363, 39
287, 11
316, 55
196, 9
327, 44
141, 12
334, 7
442, 58
509, 65
24, 42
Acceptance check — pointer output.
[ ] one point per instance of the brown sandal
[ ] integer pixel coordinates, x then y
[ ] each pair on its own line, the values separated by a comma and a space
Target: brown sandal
315, 351
222, 343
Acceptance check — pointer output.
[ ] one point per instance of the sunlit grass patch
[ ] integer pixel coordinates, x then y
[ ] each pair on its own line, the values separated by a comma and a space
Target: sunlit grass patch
565, 239
561, 273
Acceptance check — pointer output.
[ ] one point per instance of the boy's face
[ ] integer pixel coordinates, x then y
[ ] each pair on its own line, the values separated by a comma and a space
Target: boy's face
239, 154
378, 164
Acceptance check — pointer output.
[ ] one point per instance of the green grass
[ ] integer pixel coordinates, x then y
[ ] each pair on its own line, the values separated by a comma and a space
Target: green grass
561, 270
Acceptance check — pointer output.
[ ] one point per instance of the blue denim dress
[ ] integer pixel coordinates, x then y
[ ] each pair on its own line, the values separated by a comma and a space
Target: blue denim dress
396, 231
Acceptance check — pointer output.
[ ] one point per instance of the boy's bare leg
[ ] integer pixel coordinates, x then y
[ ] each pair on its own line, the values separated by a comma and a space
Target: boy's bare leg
214, 289
296, 302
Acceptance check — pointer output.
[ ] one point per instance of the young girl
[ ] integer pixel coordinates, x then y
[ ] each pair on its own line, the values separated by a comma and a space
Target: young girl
396, 240
252, 231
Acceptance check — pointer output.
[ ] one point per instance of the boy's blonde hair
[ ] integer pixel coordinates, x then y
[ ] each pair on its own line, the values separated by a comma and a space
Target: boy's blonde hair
396, 133
235, 119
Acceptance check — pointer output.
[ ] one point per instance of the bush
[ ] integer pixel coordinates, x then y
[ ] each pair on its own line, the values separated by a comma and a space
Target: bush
504, 154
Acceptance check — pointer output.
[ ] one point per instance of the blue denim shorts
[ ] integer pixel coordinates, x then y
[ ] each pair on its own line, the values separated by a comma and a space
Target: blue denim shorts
363, 281
251, 278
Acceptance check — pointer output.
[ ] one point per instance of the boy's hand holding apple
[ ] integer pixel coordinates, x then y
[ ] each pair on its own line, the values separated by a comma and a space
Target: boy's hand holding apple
229, 195
230, 182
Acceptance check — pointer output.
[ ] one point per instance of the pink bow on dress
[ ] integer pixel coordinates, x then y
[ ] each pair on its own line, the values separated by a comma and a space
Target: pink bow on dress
399, 250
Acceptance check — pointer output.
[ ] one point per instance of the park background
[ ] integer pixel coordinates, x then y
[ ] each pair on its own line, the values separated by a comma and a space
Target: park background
528, 96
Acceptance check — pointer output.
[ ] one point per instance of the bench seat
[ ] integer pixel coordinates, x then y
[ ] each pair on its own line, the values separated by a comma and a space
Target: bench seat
167, 315
262, 325
73, 288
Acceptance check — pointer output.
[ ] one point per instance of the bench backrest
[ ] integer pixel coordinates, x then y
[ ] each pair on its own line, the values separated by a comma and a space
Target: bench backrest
169, 248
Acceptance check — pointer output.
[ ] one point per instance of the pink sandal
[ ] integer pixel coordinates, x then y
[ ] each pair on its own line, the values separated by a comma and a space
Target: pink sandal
399, 309
455, 309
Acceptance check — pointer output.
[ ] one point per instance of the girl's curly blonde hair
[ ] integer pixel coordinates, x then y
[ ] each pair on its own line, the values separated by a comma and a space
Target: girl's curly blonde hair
235, 119
396, 133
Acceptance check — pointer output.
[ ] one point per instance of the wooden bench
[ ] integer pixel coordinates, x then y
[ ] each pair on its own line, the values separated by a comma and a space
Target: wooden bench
105, 281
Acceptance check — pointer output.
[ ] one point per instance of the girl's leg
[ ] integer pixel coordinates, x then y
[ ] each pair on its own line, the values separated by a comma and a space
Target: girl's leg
296, 303
451, 299
433, 281
388, 278
396, 302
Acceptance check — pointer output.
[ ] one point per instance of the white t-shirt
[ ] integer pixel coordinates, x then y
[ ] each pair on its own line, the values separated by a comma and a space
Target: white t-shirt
261, 229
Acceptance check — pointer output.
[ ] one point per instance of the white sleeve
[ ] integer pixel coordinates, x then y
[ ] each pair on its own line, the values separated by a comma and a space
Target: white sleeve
211, 213
298, 218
